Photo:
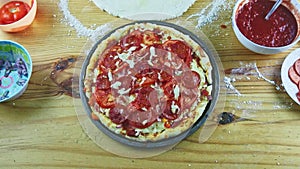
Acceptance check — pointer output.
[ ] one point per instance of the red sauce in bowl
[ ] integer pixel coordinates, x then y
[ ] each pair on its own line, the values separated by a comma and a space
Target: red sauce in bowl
280, 30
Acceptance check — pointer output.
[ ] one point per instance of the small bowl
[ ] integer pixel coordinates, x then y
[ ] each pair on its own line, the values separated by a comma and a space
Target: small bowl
292, 5
23, 23
15, 70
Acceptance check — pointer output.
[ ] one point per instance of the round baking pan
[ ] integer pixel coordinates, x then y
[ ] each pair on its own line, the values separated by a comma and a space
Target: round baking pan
171, 140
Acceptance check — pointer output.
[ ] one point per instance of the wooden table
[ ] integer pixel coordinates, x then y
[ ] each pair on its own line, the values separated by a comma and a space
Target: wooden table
41, 129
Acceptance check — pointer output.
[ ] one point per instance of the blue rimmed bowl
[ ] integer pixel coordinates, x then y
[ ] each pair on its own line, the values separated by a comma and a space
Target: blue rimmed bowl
15, 70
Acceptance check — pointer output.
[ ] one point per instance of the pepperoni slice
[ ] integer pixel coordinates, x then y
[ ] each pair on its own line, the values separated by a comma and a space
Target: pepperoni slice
160, 52
142, 119
116, 115
141, 102
190, 79
126, 82
109, 62
121, 68
297, 66
146, 77
143, 72
180, 49
142, 54
102, 82
140, 114
108, 58
135, 38
293, 75
188, 97
154, 99
141, 67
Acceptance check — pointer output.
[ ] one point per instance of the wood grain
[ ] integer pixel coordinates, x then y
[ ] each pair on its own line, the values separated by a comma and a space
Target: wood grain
41, 130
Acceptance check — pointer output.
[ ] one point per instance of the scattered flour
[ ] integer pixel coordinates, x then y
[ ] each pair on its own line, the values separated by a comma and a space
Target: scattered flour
228, 82
264, 78
211, 12
206, 16
280, 105
245, 105
250, 69
81, 30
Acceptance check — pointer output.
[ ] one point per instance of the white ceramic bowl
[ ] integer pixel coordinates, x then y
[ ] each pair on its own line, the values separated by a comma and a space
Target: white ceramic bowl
292, 5
23, 23
15, 70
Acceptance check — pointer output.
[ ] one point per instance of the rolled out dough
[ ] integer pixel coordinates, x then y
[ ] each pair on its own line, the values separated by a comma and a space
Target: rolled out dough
145, 9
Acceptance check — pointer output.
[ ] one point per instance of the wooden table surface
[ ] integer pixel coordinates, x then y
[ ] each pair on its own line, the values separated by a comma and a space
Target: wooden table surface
41, 129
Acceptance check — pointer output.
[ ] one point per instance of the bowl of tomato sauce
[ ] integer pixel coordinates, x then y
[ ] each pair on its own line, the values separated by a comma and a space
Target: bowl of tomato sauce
17, 15
277, 34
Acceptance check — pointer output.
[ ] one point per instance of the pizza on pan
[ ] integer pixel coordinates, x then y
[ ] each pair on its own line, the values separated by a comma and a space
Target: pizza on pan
148, 82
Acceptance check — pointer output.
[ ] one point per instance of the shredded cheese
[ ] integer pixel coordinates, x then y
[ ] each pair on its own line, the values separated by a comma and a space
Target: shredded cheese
124, 57
116, 85
174, 108
176, 92
123, 91
169, 56
143, 81
152, 54
110, 77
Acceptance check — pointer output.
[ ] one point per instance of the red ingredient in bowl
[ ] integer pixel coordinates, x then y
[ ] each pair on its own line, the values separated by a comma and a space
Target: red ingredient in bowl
280, 30
13, 11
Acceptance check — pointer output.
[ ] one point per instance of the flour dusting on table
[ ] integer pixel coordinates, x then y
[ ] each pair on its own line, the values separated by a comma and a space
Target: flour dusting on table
260, 75
211, 12
206, 16
81, 30
246, 71
228, 83
247, 105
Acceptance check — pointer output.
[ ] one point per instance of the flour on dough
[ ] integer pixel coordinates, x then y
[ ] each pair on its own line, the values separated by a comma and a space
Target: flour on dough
145, 9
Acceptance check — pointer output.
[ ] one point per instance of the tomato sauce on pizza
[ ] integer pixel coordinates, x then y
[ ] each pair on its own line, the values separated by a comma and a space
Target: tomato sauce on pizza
148, 82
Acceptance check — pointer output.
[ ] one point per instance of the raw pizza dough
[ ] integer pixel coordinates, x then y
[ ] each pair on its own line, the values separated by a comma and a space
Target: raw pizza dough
145, 9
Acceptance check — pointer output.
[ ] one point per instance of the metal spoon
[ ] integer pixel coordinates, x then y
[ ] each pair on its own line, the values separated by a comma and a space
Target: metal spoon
275, 6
